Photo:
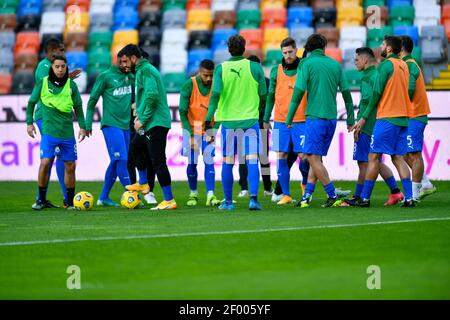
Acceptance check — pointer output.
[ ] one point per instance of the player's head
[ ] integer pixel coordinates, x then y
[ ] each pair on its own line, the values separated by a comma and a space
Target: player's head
289, 50
364, 58
390, 45
53, 46
59, 65
407, 46
316, 41
206, 71
236, 45
128, 57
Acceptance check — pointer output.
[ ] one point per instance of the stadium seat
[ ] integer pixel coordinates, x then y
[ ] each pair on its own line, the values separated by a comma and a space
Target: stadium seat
324, 17
248, 19
149, 5
300, 17
28, 23
411, 31
350, 16
217, 5
429, 15
77, 60
125, 19
174, 5
27, 42
82, 5
81, 82
375, 19
348, 59
154, 57
266, 4
8, 6
352, 37
8, 22
199, 19
221, 55
273, 38
248, 5
175, 37
198, 4
375, 36
150, 19
200, 39
7, 61
224, 19
253, 38
125, 37
298, 3
25, 61
77, 22
101, 22
173, 19
150, 36
98, 61
100, 39
195, 57
171, 63
274, 18
379, 3
397, 3
52, 22
332, 35
401, 16
75, 41
300, 35
53, 6
5, 83
272, 58
220, 37
7, 40
23, 82
334, 53
174, 81
29, 8
319, 4
432, 43
353, 77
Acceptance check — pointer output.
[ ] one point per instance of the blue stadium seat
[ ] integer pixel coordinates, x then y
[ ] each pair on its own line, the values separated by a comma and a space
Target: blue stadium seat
195, 57
299, 17
29, 8
411, 31
127, 18
396, 3
220, 37
77, 60
125, 3
7, 61
7, 40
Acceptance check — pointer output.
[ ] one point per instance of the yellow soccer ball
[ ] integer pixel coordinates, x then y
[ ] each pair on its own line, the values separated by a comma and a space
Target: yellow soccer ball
130, 199
83, 201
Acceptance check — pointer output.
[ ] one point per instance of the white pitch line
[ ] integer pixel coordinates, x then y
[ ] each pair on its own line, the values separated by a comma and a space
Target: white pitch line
194, 234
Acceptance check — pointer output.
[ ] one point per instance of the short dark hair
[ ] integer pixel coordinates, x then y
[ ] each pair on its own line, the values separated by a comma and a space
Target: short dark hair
394, 42
254, 58
144, 53
236, 45
52, 43
407, 43
207, 64
316, 41
288, 42
366, 51
130, 50
58, 57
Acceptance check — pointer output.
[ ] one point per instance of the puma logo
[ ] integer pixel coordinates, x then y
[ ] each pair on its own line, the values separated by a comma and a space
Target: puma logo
237, 72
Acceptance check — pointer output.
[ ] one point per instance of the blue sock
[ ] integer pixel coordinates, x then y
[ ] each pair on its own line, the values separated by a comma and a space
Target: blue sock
304, 169
407, 188
210, 177
122, 172
60, 171
392, 184
309, 190
192, 175
110, 178
367, 189
330, 190
227, 181
143, 176
253, 176
359, 188
167, 192
284, 176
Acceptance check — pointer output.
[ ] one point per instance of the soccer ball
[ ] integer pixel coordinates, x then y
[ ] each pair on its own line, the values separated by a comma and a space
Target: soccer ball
130, 199
83, 201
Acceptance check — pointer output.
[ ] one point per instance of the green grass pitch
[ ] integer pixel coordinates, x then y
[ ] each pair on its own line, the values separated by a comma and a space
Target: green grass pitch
203, 253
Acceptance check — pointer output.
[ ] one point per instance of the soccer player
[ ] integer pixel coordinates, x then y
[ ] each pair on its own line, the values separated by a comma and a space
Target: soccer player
52, 46
321, 77
194, 99
153, 116
239, 91
114, 85
59, 95
390, 97
365, 62
418, 119
284, 139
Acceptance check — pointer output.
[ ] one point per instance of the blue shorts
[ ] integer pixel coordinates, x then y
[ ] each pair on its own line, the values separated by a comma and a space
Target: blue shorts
241, 141
361, 148
117, 142
415, 135
387, 138
66, 149
208, 149
286, 140
39, 125
318, 136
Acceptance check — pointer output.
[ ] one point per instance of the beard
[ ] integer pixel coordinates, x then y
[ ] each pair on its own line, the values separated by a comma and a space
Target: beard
384, 53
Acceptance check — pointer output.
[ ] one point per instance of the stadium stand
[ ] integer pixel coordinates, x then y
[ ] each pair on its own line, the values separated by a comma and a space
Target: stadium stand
177, 34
